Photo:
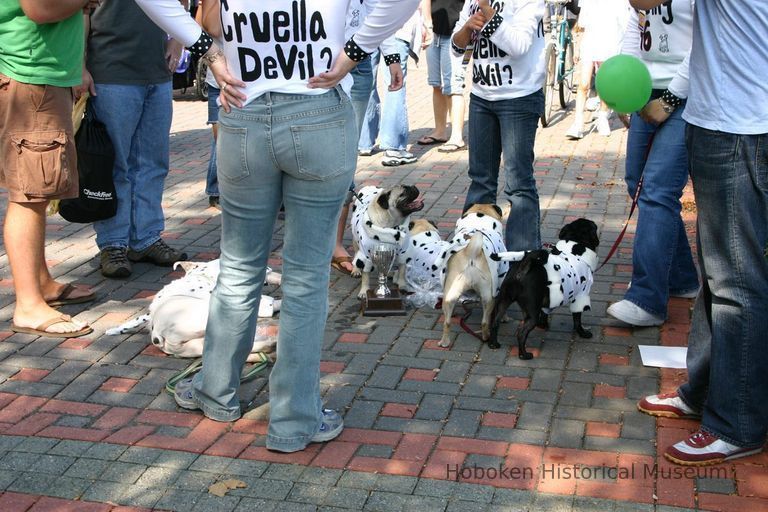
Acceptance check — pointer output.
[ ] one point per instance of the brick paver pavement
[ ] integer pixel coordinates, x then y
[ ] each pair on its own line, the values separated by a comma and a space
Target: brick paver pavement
86, 425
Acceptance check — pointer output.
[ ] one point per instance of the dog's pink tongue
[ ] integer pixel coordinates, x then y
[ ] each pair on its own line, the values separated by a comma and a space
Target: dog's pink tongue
417, 204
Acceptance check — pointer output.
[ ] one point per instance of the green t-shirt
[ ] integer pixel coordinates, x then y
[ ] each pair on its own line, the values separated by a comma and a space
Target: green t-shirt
47, 54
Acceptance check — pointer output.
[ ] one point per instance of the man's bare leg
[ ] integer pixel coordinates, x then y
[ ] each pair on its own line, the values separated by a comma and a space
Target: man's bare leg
24, 235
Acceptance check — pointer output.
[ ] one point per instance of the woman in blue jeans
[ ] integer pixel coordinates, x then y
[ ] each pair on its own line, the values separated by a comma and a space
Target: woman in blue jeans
286, 135
662, 264
504, 108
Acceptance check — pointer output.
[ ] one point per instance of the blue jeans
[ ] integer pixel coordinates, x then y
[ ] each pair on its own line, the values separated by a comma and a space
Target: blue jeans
661, 257
138, 120
444, 69
393, 113
211, 180
297, 150
507, 126
727, 375
362, 85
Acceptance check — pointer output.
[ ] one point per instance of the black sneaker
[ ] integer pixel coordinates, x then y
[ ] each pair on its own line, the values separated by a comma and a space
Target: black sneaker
158, 253
114, 262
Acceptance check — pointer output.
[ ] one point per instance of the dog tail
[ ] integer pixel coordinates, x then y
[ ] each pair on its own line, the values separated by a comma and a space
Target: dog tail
128, 326
508, 256
474, 248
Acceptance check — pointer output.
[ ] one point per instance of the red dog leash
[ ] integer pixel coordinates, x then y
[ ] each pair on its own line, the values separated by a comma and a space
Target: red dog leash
631, 208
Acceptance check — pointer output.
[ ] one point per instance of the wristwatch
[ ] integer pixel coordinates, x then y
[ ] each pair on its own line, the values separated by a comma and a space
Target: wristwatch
666, 106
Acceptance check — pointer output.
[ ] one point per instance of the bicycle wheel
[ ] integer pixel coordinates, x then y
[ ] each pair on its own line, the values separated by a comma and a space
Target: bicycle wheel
566, 76
550, 82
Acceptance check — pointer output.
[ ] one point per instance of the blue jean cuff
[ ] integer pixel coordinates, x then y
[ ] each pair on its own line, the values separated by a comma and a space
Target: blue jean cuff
694, 407
729, 440
216, 413
146, 245
288, 444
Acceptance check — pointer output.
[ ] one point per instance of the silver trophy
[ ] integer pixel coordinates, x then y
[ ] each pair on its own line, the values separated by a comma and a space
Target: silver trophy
383, 259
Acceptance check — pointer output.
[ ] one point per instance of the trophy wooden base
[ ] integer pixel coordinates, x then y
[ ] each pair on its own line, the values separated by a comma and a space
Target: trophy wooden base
391, 305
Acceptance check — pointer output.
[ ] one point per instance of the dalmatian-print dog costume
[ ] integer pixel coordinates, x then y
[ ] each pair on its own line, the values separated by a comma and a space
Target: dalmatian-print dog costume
419, 255
569, 276
569, 269
493, 242
368, 235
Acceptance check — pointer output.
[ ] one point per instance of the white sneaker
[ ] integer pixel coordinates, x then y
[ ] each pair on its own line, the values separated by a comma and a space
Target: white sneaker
592, 104
575, 132
632, 314
395, 157
603, 126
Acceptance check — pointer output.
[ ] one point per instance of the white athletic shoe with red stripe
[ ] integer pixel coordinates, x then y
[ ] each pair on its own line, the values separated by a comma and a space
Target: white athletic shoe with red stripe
704, 449
667, 405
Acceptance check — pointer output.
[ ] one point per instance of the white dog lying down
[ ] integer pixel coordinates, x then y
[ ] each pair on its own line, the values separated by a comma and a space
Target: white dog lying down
179, 312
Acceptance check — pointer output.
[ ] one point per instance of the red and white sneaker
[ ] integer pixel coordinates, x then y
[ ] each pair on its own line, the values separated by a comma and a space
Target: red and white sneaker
667, 405
704, 449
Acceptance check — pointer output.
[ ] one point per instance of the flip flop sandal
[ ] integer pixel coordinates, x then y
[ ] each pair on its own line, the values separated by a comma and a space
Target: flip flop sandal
429, 140
336, 263
64, 297
451, 148
42, 329
249, 373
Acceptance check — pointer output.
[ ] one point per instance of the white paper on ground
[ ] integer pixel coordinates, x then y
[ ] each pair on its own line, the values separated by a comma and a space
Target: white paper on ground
663, 357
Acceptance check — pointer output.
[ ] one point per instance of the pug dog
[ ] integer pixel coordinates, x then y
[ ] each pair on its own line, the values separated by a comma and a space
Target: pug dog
380, 216
425, 245
178, 313
544, 280
466, 263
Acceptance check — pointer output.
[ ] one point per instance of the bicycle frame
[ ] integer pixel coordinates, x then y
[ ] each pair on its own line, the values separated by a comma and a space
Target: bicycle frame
560, 35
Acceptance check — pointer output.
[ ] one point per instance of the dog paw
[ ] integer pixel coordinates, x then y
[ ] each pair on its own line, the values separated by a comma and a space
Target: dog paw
356, 273
525, 355
361, 294
493, 344
444, 343
584, 333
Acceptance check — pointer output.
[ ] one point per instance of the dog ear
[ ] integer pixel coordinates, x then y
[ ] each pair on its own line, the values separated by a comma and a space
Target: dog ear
383, 200
464, 213
432, 223
498, 210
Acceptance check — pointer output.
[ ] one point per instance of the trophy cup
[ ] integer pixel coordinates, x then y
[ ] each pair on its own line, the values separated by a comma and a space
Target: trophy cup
384, 301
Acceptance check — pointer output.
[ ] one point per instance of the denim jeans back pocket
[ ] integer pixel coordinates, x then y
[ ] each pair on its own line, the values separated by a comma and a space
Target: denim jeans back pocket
321, 149
231, 153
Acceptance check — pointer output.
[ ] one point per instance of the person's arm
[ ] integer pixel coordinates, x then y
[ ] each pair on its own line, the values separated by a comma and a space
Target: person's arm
512, 33
51, 11
465, 26
630, 44
87, 85
426, 16
385, 19
170, 16
211, 18
645, 4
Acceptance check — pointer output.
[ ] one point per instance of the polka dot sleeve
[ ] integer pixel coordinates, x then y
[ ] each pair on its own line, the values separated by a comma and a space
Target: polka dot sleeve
354, 52
492, 25
392, 59
201, 46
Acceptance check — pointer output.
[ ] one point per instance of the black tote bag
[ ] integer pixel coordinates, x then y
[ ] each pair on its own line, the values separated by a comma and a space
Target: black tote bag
95, 160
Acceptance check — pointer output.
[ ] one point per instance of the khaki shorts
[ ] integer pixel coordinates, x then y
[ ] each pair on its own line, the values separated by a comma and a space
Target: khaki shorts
38, 160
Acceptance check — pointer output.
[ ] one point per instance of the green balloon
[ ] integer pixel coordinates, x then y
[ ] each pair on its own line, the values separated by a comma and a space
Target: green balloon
623, 83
